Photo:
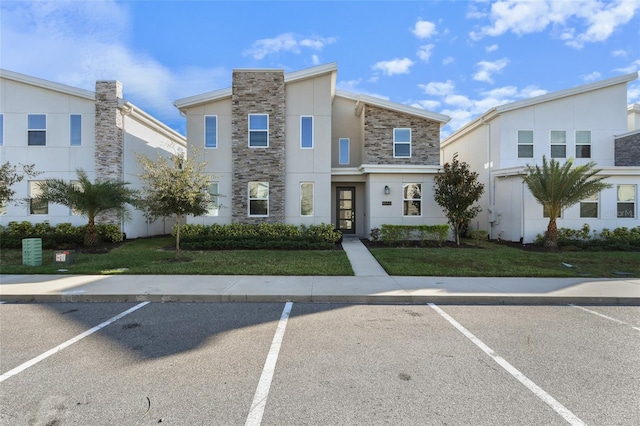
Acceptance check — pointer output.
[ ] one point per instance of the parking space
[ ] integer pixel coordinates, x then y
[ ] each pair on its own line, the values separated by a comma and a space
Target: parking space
201, 363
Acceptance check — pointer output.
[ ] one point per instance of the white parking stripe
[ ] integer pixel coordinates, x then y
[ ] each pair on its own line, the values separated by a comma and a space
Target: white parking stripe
604, 316
262, 392
539, 392
69, 342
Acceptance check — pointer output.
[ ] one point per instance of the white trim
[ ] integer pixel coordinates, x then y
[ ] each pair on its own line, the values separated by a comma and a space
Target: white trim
215, 200
310, 72
151, 122
249, 130
312, 132
205, 132
46, 84
410, 143
71, 129
577, 144
404, 184
596, 202
1, 129
258, 199
551, 144
348, 151
313, 198
37, 130
203, 98
532, 144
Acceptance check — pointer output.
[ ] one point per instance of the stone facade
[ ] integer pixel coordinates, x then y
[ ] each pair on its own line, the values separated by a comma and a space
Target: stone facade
378, 137
627, 150
258, 92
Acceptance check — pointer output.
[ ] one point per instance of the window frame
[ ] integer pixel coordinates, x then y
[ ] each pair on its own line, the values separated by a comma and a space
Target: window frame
348, 152
302, 184
523, 144
249, 199
582, 144
1, 129
31, 131
557, 144
396, 143
251, 131
213, 205
215, 135
406, 200
590, 201
34, 190
633, 201
72, 141
302, 134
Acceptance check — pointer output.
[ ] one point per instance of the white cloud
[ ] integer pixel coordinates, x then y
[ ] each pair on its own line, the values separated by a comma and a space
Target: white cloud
286, 42
435, 88
349, 85
486, 69
633, 93
394, 66
633, 67
619, 53
429, 105
591, 77
424, 52
315, 59
424, 29
448, 60
491, 48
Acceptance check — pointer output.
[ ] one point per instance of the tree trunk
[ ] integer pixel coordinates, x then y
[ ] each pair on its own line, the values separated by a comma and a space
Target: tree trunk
552, 235
179, 218
91, 234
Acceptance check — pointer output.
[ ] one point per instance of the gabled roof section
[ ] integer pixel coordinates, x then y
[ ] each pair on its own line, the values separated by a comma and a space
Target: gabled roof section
362, 99
151, 122
46, 84
291, 77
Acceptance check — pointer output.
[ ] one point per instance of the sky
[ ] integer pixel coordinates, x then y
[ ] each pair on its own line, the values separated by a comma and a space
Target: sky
458, 58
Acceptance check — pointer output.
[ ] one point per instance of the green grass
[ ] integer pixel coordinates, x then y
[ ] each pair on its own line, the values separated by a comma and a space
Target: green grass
495, 260
147, 256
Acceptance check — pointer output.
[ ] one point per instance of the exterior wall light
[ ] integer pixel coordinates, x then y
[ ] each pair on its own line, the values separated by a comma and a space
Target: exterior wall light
387, 191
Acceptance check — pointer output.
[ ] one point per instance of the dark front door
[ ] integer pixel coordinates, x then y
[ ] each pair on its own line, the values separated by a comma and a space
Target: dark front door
346, 209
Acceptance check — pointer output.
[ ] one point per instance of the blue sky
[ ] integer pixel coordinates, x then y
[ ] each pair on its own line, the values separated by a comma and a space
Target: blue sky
458, 58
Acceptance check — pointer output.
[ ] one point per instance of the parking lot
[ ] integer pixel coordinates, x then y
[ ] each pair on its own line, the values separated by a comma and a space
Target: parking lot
312, 364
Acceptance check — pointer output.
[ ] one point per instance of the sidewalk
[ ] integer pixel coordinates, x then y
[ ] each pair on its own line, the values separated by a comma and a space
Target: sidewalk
371, 284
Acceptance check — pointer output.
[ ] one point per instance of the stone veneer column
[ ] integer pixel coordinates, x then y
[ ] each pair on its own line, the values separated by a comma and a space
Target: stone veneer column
109, 136
258, 92
627, 150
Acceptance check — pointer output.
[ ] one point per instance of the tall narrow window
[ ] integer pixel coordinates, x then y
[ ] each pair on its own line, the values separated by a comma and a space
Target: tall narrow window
1, 129
36, 207
558, 140
306, 132
402, 143
306, 199
37, 129
412, 198
74, 210
583, 143
213, 207
75, 130
259, 199
258, 130
589, 206
525, 143
626, 201
210, 131
343, 151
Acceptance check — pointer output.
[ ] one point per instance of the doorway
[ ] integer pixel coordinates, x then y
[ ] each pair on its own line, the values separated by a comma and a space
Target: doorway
346, 209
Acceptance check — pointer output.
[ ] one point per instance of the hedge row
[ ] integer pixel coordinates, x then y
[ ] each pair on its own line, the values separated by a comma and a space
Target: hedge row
62, 235
257, 236
584, 238
395, 234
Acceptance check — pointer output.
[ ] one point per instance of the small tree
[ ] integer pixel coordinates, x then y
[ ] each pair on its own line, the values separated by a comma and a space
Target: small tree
557, 187
456, 189
10, 175
174, 186
88, 199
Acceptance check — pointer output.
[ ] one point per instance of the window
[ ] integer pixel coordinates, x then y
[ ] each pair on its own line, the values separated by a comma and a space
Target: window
34, 206
412, 195
258, 130
626, 201
1, 129
583, 143
37, 129
525, 143
76, 185
589, 206
344, 151
259, 199
306, 131
75, 130
211, 131
402, 143
213, 206
558, 140
306, 199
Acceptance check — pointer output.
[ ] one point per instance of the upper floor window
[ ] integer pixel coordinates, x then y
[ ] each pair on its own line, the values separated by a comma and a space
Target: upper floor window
525, 143
583, 143
36, 207
37, 129
259, 199
558, 139
306, 198
343, 151
1, 129
402, 143
213, 206
589, 206
306, 131
412, 199
258, 130
75, 130
626, 201
211, 131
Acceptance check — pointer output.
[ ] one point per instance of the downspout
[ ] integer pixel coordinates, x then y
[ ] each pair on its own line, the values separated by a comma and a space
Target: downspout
126, 110
490, 181
522, 221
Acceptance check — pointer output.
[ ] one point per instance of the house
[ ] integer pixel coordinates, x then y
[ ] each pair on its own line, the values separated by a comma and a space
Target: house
61, 128
588, 123
291, 148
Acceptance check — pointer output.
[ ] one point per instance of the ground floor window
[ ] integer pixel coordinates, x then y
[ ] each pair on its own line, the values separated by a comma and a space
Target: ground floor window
306, 199
589, 206
36, 207
626, 201
412, 199
213, 207
259, 199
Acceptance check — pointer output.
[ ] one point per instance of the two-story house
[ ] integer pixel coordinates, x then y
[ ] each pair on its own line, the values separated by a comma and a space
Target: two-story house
588, 123
290, 148
60, 128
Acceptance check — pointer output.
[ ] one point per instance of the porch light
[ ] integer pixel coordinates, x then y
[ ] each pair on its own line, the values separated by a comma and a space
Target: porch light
387, 191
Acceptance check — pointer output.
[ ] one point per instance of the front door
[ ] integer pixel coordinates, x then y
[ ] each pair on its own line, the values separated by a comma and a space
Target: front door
346, 209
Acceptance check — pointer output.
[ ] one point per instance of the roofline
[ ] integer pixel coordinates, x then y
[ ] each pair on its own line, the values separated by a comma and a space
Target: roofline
382, 103
151, 121
47, 84
634, 107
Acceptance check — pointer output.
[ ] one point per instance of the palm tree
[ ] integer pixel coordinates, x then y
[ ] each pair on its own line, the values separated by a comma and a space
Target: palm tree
557, 187
88, 199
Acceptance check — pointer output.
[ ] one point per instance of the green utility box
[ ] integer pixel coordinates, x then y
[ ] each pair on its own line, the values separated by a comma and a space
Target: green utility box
32, 251
64, 256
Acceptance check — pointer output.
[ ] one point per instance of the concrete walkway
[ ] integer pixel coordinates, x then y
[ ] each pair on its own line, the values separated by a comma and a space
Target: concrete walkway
371, 284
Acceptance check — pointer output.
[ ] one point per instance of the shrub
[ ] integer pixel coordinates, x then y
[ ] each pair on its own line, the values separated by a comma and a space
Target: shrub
397, 234
60, 235
619, 239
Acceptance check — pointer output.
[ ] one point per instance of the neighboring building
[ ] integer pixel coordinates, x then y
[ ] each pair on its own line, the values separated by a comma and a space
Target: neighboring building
291, 148
61, 128
589, 123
